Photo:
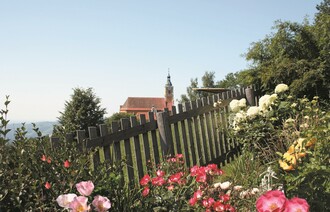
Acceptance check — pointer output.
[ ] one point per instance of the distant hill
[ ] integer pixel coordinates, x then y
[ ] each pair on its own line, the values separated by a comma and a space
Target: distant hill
45, 127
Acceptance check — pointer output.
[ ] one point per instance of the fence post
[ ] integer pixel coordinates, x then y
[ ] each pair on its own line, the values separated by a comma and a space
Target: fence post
249, 93
81, 140
165, 133
55, 142
92, 131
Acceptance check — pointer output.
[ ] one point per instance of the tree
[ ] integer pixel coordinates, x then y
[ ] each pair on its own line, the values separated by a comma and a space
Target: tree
207, 82
230, 81
82, 111
191, 95
294, 54
117, 117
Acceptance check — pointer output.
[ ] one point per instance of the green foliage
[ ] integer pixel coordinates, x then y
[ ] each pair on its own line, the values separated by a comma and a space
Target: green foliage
207, 82
29, 164
296, 54
82, 111
3, 123
116, 117
191, 94
292, 135
310, 177
244, 170
231, 81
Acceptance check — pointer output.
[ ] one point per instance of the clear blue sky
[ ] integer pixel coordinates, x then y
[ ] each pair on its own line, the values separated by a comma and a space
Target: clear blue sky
124, 48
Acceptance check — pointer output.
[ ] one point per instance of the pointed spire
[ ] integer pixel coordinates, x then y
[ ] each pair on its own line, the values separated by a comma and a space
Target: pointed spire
169, 83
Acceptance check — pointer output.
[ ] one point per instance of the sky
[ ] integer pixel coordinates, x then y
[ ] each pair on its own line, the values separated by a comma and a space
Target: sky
124, 48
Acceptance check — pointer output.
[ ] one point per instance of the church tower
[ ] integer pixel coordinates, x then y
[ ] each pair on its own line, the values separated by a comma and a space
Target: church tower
169, 93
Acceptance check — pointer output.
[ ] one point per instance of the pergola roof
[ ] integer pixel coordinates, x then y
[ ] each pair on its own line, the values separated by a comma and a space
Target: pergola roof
212, 90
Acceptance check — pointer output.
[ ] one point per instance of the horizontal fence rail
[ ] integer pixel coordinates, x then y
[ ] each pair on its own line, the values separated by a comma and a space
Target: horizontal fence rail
195, 129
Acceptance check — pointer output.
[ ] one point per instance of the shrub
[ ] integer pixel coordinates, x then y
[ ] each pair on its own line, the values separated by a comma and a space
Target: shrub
33, 174
297, 130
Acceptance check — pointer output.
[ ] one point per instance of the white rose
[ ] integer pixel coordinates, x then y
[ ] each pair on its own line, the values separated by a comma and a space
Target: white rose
252, 111
264, 102
281, 88
242, 103
216, 185
225, 185
237, 187
254, 191
272, 98
240, 116
234, 105
243, 194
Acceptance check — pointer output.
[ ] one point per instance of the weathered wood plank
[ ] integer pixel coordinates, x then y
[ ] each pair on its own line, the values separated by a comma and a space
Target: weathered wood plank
184, 137
198, 134
202, 137
145, 139
181, 116
106, 149
207, 150
215, 124
223, 126
81, 135
116, 143
69, 137
165, 134
137, 147
209, 128
178, 143
117, 136
55, 142
190, 135
154, 138
92, 132
125, 124
213, 127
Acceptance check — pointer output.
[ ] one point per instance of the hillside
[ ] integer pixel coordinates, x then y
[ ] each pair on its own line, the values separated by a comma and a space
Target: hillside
45, 127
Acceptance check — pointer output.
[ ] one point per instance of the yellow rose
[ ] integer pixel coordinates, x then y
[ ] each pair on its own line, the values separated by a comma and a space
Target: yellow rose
285, 166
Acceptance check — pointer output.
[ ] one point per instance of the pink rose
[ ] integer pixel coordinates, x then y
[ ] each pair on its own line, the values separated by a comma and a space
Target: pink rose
79, 204
101, 203
145, 180
145, 191
85, 188
271, 201
64, 200
296, 204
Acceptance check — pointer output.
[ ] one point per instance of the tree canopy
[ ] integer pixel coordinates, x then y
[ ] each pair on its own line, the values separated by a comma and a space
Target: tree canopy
297, 54
82, 111
116, 117
208, 81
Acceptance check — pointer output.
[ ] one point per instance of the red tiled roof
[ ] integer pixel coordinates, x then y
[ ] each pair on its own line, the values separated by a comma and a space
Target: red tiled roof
144, 103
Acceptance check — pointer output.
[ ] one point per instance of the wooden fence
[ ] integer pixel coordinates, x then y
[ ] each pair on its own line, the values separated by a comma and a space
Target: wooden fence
195, 129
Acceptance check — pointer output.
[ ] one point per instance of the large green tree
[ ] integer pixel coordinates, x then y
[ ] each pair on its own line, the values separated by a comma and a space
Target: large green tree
82, 111
295, 54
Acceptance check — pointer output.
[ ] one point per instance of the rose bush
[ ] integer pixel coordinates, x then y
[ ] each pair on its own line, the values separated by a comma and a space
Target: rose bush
291, 135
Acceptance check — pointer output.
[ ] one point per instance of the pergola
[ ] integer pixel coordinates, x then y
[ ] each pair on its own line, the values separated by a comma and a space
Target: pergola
211, 90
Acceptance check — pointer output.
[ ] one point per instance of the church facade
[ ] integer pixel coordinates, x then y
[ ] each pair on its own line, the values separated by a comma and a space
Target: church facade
143, 105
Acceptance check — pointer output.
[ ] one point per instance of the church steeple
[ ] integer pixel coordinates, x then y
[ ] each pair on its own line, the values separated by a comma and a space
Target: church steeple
169, 92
